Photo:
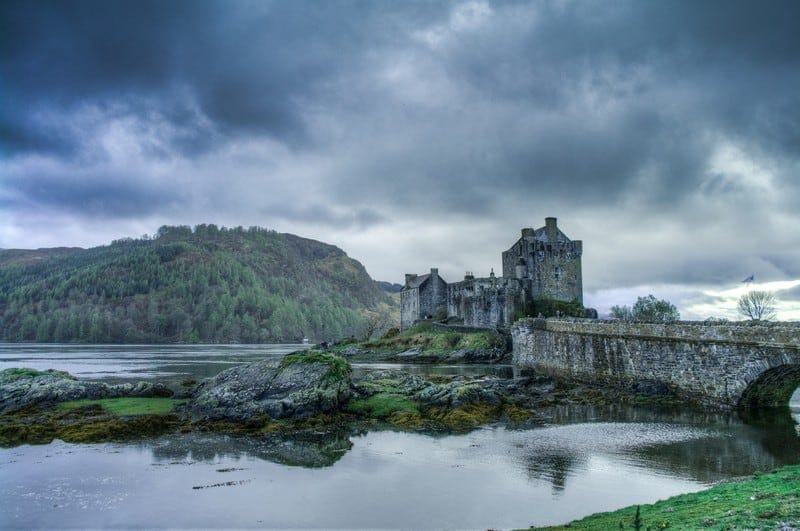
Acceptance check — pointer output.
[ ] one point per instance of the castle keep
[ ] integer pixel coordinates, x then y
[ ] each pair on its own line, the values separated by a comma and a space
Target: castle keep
542, 264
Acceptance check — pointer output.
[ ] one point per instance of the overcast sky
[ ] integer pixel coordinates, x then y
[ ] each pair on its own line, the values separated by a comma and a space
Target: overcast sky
665, 135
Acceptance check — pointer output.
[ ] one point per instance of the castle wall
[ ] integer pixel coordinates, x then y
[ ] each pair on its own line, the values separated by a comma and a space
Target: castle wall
510, 258
724, 365
549, 260
432, 296
557, 271
484, 302
409, 307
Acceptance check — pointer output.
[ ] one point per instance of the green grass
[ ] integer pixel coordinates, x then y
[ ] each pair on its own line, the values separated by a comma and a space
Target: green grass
430, 340
383, 405
339, 367
763, 502
127, 406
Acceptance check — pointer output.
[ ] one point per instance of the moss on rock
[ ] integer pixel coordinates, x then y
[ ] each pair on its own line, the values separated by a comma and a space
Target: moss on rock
339, 368
383, 405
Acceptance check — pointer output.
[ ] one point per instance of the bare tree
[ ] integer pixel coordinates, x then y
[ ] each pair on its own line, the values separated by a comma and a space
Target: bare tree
757, 305
374, 324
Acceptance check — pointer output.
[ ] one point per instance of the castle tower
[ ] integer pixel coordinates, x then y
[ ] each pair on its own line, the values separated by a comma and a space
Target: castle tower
548, 263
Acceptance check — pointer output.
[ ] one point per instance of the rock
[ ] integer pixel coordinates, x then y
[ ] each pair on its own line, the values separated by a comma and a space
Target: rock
352, 351
21, 388
487, 355
387, 381
299, 386
458, 393
653, 388
141, 389
408, 354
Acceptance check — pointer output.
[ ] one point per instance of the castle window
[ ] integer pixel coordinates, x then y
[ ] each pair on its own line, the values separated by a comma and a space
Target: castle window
557, 273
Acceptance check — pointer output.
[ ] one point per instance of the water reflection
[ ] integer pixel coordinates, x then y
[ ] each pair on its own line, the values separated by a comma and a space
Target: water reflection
309, 450
571, 462
701, 446
706, 447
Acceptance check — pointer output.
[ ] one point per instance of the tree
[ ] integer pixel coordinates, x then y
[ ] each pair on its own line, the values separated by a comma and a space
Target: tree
374, 324
757, 305
623, 313
647, 309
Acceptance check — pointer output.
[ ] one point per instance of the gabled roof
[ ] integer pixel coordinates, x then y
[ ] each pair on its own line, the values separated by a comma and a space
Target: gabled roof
540, 234
417, 281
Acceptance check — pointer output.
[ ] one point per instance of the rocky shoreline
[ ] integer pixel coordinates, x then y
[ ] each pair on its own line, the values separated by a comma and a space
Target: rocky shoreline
308, 390
420, 355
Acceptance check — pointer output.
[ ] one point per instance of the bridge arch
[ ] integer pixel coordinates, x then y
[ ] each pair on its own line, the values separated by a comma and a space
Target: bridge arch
772, 388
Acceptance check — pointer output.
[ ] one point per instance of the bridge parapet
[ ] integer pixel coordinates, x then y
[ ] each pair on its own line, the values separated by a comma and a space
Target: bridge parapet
718, 365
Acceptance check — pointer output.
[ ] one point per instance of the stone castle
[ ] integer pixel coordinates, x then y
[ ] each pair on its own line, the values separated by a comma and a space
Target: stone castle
542, 264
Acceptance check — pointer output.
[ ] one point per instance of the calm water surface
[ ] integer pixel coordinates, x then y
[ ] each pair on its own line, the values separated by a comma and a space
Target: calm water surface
138, 362
571, 462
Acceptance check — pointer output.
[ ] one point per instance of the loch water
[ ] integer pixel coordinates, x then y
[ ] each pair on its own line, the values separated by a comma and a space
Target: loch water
570, 462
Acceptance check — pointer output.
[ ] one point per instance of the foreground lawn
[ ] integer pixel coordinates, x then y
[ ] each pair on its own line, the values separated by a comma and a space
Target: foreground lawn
767, 501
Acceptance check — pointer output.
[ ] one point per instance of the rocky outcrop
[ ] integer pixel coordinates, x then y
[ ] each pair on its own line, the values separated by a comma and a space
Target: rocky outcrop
299, 386
455, 392
20, 388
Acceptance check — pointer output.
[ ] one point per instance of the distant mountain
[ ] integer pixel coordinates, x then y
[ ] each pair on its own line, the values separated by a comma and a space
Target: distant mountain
209, 284
389, 287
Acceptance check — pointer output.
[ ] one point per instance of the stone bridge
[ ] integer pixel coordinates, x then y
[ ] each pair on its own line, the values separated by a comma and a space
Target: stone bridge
731, 365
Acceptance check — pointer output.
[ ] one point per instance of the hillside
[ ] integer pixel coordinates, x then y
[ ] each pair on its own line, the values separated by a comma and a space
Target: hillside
183, 285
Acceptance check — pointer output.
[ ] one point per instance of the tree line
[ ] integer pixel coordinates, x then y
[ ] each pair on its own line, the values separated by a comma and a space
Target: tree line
206, 284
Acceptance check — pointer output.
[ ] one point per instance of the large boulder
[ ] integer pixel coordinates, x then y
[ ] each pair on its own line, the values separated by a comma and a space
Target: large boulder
302, 384
21, 388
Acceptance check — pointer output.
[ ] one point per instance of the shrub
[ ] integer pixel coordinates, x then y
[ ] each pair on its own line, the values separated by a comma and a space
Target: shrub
647, 309
553, 308
392, 332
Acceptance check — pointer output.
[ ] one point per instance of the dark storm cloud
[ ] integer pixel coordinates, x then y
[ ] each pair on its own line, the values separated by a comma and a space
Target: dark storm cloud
88, 197
667, 121
249, 64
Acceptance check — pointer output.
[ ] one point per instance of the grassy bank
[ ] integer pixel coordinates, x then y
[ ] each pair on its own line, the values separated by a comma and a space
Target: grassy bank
766, 501
88, 421
127, 405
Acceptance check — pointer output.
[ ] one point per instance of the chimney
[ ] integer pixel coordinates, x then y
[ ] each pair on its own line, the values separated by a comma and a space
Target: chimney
410, 277
552, 229
434, 272
527, 233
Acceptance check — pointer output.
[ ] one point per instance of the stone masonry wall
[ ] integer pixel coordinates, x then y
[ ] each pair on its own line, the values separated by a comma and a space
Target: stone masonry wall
409, 308
715, 365
432, 296
557, 272
484, 302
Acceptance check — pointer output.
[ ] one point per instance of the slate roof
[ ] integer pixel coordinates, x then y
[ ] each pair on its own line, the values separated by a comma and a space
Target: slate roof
417, 282
541, 235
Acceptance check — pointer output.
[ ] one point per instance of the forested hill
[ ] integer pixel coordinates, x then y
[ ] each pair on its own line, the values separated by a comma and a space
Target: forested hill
183, 285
